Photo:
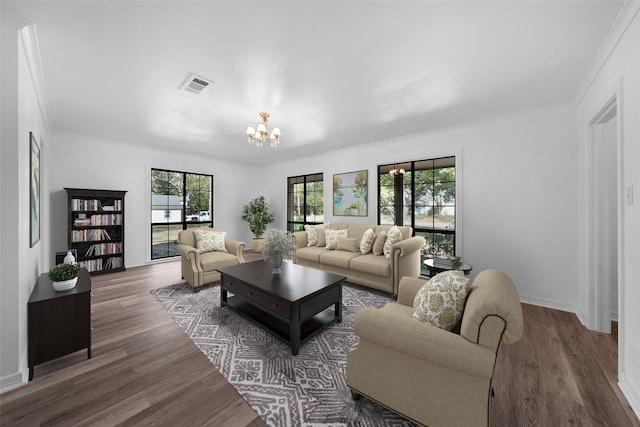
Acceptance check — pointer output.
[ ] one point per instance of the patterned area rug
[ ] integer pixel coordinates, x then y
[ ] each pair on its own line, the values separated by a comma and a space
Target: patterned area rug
304, 390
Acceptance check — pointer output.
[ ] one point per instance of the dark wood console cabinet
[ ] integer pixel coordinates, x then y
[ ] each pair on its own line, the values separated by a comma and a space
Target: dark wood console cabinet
59, 323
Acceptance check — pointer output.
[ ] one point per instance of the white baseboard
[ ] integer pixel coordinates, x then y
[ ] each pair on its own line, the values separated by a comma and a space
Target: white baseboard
548, 303
630, 392
12, 382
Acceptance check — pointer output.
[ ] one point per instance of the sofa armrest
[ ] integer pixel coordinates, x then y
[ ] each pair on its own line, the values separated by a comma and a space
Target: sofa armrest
405, 259
424, 341
236, 248
410, 245
408, 288
300, 239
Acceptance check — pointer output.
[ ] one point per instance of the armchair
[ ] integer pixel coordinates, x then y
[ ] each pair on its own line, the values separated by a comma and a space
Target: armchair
199, 269
428, 374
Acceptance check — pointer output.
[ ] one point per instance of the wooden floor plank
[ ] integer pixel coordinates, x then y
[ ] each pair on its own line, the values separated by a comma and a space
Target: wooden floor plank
146, 371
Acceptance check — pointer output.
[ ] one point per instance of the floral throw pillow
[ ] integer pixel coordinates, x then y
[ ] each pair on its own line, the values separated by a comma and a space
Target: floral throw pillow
440, 302
333, 236
393, 236
312, 233
209, 241
366, 244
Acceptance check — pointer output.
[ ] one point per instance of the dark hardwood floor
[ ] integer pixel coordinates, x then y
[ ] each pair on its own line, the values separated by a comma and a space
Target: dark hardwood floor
145, 371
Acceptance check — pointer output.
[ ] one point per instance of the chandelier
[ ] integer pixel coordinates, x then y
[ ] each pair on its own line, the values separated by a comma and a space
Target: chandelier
263, 132
396, 171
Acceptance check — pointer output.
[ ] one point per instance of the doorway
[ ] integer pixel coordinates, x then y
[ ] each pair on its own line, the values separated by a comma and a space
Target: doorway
604, 240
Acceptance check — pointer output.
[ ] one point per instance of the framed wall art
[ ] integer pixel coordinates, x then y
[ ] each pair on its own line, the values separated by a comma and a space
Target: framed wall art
350, 193
34, 190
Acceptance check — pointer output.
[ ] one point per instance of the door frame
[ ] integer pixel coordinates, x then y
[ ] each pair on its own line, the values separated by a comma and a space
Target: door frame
599, 293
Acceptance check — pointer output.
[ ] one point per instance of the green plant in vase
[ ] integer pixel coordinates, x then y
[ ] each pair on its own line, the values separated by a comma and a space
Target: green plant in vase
258, 214
64, 276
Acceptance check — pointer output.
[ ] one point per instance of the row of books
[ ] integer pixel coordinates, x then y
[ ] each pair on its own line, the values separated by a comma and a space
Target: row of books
94, 205
106, 219
99, 264
446, 261
89, 235
104, 249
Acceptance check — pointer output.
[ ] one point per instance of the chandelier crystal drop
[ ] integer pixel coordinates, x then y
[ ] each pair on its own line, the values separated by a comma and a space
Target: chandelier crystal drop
263, 132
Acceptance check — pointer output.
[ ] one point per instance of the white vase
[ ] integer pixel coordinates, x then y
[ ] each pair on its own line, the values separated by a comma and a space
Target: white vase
65, 285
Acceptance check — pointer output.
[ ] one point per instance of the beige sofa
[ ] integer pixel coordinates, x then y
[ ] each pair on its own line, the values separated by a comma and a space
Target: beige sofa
427, 374
370, 270
199, 269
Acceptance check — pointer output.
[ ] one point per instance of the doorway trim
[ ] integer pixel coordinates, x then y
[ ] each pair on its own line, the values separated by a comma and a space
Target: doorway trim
599, 293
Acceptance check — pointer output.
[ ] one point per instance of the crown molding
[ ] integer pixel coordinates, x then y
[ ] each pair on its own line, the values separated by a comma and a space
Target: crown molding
626, 16
13, 20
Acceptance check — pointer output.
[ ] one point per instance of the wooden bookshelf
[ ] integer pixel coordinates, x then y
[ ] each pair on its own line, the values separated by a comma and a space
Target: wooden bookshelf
96, 228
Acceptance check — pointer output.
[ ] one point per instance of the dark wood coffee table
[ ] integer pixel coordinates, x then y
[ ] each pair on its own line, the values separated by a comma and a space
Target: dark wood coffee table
292, 305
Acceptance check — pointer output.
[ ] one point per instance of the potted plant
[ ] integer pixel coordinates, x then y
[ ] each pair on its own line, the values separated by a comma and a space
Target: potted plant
278, 245
64, 276
258, 214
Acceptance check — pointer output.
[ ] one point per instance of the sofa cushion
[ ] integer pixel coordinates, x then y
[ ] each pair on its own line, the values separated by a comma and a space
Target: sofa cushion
322, 237
366, 243
339, 259
312, 233
209, 240
213, 260
333, 236
393, 236
378, 244
371, 264
349, 244
309, 253
440, 302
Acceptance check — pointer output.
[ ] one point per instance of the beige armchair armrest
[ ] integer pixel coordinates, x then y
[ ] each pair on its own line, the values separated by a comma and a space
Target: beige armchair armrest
407, 290
300, 239
424, 341
191, 254
236, 248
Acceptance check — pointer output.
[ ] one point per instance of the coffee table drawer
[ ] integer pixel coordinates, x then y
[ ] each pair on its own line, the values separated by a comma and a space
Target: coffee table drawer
266, 302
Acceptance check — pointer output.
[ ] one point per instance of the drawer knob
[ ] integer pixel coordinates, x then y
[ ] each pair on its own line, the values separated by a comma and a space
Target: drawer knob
275, 305
250, 293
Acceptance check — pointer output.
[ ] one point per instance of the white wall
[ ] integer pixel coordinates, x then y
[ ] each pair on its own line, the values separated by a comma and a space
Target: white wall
622, 66
80, 161
516, 199
22, 112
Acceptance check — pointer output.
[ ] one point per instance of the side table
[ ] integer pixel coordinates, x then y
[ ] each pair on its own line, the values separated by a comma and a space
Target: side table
433, 270
59, 323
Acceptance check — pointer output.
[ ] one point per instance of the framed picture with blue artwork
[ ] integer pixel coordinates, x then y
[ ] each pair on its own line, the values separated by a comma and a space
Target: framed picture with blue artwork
350, 191
34, 190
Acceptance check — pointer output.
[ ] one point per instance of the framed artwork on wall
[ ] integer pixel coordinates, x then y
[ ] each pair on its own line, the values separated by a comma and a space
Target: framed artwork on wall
350, 193
34, 190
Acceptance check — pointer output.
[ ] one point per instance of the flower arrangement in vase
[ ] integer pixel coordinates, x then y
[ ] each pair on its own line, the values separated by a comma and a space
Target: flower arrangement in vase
278, 245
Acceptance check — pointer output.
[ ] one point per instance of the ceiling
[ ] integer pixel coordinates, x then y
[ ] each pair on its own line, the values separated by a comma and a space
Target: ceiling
331, 74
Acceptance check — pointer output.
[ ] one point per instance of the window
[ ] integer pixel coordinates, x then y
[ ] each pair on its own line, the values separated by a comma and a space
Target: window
305, 201
179, 200
424, 197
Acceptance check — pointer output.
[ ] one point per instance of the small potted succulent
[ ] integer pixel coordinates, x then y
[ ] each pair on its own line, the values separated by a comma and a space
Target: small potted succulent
64, 276
278, 245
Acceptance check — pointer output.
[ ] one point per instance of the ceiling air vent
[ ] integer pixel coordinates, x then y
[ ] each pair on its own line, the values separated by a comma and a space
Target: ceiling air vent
195, 84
